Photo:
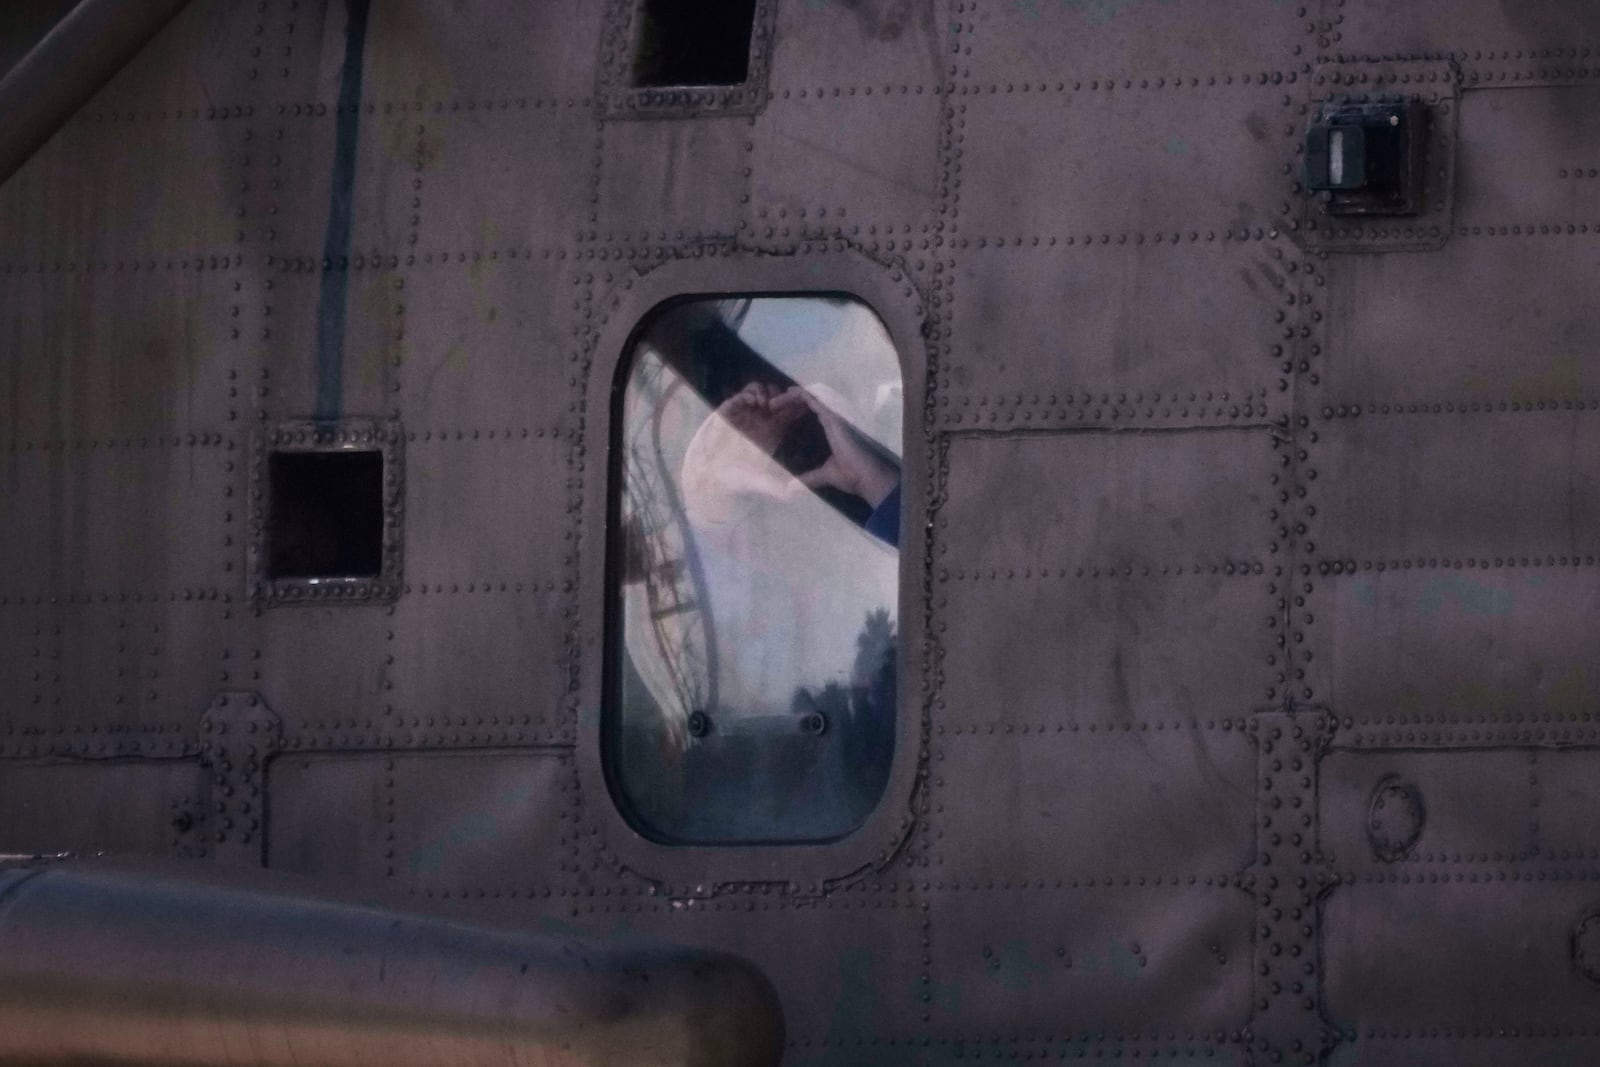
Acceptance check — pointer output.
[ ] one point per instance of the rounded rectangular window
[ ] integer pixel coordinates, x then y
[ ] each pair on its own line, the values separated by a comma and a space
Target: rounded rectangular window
754, 628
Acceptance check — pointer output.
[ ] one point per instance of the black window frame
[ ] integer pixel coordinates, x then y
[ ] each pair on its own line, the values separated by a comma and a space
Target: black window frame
619, 97
383, 436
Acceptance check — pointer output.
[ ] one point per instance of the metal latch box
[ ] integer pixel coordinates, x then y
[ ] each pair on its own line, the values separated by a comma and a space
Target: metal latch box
1367, 158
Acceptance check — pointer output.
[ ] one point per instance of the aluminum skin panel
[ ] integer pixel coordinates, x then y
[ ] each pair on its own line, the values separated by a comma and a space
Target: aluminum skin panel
324, 697
1409, 647
1111, 652
533, 194
113, 357
1088, 342
1428, 487
1409, 329
116, 209
1201, 159
466, 479
330, 816
144, 517
1053, 806
1396, 952
1097, 961
129, 808
478, 659
1140, 501
426, 822
1477, 807
488, 820
482, 52
1486, 30
847, 972
1568, 784
132, 665
882, 178
1149, 41
371, 362
665, 180
883, 43
498, 348
1526, 154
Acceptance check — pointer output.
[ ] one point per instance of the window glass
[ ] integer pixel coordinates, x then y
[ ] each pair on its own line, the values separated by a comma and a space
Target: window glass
755, 570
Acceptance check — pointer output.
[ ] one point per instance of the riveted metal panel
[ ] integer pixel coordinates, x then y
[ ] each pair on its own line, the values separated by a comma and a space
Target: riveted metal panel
1116, 651
1458, 952
1204, 161
27, 535
479, 661
1091, 352
494, 349
370, 347
147, 515
1064, 965
1474, 807
534, 192
1464, 1046
484, 480
123, 202
1413, 649
111, 357
391, 149
882, 176
330, 816
1423, 492
1147, 42
93, 807
323, 670
846, 972
130, 666
671, 178
21, 676
1080, 214
486, 821
1567, 791
1140, 501
1526, 156
882, 44
292, 193
1405, 331
1481, 31
1056, 805
193, 61
482, 52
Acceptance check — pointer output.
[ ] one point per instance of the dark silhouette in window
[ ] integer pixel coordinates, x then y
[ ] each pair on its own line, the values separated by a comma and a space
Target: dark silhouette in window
693, 42
325, 514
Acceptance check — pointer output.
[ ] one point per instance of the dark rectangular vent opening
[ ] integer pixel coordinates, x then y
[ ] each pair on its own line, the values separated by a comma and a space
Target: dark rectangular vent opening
325, 514
693, 42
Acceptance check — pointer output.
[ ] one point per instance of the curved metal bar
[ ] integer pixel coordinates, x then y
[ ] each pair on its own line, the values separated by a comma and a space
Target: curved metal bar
68, 66
147, 965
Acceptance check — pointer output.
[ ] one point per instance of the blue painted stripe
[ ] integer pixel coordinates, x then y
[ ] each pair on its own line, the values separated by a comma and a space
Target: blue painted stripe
336, 245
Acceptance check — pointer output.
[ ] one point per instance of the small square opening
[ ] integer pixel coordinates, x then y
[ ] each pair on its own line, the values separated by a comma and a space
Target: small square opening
693, 42
325, 514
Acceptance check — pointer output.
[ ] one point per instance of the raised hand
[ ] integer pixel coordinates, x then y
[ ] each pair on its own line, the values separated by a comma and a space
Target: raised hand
763, 413
853, 465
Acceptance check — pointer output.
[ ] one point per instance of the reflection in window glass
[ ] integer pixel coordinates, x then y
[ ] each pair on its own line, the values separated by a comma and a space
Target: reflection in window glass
756, 570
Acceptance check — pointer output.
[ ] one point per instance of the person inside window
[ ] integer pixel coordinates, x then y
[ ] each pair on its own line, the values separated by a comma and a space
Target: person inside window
758, 570
765, 415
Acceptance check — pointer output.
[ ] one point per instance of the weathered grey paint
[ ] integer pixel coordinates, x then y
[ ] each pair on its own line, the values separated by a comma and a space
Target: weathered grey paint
1234, 523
